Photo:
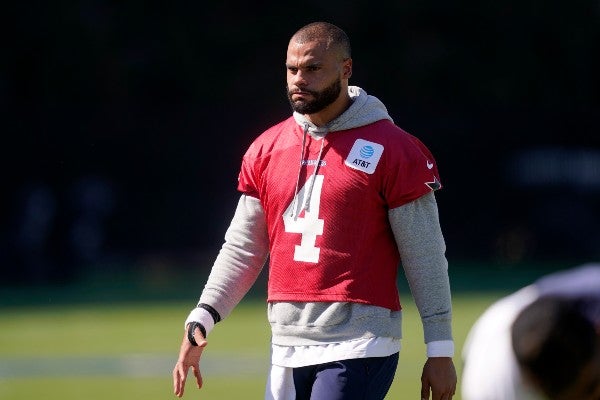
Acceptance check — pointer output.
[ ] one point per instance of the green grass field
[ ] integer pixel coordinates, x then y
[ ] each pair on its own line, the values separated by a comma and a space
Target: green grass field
127, 350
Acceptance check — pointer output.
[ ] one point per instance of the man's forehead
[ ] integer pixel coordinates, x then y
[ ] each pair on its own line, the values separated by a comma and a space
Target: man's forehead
308, 51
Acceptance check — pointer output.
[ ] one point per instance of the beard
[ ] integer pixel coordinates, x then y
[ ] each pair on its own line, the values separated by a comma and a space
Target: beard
320, 99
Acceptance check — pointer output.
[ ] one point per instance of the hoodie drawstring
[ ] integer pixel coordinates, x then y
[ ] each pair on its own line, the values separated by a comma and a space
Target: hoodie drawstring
308, 194
295, 202
313, 178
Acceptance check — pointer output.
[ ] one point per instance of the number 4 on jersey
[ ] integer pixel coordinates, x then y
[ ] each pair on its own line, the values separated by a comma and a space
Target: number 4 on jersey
309, 226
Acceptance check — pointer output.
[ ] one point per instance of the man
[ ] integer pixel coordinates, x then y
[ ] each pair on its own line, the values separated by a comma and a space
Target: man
541, 342
335, 195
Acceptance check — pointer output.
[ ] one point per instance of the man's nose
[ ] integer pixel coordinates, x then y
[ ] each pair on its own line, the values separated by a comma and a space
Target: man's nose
299, 79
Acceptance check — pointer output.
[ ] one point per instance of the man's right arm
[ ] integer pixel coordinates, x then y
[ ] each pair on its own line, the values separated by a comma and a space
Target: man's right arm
235, 270
238, 263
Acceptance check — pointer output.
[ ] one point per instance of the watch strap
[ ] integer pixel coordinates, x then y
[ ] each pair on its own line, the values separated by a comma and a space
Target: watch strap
192, 328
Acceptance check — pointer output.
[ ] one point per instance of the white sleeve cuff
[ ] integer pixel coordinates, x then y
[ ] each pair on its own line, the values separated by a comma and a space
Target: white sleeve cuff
440, 348
199, 314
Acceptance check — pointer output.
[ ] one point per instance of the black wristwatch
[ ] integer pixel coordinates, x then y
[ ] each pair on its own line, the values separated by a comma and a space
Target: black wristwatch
192, 328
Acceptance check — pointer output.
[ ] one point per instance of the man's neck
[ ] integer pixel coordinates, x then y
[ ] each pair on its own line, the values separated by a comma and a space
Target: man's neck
330, 112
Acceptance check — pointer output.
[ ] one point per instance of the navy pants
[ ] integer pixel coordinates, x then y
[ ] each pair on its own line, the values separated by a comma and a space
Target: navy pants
355, 379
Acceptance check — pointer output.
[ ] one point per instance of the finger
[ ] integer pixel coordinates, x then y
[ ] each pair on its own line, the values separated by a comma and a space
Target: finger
436, 394
179, 384
179, 377
425, 391
198, 375
444, 395
448, 394
176, 382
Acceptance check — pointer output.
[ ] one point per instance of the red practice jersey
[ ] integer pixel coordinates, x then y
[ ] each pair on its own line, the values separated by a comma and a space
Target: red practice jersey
341, 248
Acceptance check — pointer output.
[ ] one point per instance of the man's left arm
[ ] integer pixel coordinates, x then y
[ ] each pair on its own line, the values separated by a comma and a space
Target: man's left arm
422, 249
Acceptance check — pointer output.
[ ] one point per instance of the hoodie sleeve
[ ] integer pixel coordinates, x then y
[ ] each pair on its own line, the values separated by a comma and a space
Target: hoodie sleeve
422, 249
240, 259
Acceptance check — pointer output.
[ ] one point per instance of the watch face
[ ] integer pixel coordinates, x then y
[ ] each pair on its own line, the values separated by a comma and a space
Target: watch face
192, 330
190, 333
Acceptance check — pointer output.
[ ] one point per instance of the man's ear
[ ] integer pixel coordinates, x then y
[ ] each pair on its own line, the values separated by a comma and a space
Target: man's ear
347, 68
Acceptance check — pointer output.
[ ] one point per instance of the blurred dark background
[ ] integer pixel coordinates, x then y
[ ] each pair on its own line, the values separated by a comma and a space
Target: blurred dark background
124, 124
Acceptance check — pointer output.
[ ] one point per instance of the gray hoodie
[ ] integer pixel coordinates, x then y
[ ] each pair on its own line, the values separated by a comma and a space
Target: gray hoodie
420, 242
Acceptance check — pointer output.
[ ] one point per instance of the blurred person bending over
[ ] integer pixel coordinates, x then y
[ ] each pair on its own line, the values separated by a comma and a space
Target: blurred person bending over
336, 196
556, 341
541, 342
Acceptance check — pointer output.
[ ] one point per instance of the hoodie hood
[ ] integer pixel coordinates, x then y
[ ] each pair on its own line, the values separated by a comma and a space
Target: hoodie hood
364, 110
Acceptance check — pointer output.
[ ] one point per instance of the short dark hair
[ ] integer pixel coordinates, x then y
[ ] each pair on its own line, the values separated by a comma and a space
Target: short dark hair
330, 33
553, 341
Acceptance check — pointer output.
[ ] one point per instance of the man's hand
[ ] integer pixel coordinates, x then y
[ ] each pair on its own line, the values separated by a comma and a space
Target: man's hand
189, 356
439, 377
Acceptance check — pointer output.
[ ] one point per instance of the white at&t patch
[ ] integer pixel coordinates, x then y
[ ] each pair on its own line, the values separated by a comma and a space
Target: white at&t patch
364, 156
